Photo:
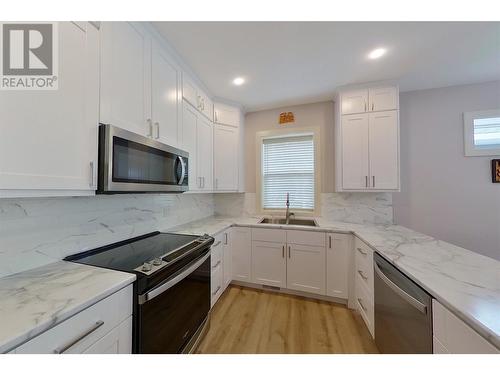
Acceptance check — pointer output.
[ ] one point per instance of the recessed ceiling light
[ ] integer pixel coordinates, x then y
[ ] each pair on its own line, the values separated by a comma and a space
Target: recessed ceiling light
238, 81
377, 53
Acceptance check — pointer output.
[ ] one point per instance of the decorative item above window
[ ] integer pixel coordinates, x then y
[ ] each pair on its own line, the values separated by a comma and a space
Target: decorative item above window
286, 117
482, 133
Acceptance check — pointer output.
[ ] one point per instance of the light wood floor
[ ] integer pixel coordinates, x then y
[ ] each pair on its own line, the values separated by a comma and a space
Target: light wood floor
254, 321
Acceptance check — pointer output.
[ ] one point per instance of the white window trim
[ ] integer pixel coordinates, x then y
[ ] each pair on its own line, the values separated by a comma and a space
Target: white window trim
470, 148
260, 136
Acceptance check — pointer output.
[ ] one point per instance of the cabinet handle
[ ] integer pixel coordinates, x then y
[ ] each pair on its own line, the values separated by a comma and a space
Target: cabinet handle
91, 174
366, 181
373, 106
365, 105
150, 127
216, 264
215, 116
225, 239
283, 251
289, 252
199, 182
330, 242
362, 275
361, 304
203, 179
216, 291
216, 183
76, 340
157, 125
373, 178
361, 251
216, 244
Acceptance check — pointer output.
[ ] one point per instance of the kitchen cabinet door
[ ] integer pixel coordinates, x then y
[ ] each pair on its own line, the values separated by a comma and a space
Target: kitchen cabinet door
190, 91
269, 263
383, 99
339, 247
126, 77
354, 102
306, 268
354, 133
227, 258
48, 142
384, 152
226, 115
205, 153
118, 341
242, 253
206, 106
166, 99
226, 141
189, 143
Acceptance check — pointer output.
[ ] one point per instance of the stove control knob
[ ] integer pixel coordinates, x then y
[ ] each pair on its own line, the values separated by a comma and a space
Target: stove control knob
157, 262
146, 267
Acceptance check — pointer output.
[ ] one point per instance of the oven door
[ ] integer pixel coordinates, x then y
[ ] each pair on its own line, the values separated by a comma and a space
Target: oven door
129, 162
169, 316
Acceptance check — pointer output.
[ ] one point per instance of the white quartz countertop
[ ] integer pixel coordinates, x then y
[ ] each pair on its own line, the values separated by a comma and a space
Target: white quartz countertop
465, 282
34, 301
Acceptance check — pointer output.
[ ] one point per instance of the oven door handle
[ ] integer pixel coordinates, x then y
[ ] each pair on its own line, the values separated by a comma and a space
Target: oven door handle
143, 298
400, 292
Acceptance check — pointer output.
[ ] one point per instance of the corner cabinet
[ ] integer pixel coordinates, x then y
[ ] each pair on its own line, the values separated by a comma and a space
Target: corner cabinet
367, 140
48, 143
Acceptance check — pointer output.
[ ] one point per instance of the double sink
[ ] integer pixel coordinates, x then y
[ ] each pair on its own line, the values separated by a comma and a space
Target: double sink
282, 221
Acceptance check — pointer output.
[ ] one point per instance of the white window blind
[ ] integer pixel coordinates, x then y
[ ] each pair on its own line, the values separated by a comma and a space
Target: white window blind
487, 132
288, 167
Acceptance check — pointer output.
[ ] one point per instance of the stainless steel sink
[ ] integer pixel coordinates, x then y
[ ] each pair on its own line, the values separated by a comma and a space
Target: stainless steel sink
282, 221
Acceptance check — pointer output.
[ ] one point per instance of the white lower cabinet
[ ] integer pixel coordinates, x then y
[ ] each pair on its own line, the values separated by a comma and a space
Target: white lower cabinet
227, 258
269, 263
363, 283
105, 327
452, 335
338, 251
306, 268
242, 253
216, 269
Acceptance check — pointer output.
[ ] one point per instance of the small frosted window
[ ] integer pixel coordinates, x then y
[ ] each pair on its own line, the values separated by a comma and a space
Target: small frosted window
487, 132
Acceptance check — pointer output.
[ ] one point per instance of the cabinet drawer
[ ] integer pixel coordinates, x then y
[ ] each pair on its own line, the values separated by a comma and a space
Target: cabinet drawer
308, 238
84, 328
364, 273
216, 283
363, 254
364, 305
118, 341
217, 251
268, 235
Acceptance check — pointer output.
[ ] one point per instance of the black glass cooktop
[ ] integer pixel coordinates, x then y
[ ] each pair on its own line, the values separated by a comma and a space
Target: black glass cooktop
130, 254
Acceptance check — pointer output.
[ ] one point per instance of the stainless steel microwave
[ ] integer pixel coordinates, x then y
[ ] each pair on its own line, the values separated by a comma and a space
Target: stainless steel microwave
132, 163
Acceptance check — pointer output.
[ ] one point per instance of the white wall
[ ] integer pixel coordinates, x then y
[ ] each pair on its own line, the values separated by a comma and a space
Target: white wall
445, 194
34, 231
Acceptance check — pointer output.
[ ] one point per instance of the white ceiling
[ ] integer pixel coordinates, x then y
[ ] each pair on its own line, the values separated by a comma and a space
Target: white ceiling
287, 63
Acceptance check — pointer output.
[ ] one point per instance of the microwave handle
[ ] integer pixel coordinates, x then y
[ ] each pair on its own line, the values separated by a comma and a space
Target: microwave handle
183, 170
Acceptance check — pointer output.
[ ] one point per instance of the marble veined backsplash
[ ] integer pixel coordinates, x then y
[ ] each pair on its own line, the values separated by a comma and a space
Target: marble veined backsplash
360, 208
38, 231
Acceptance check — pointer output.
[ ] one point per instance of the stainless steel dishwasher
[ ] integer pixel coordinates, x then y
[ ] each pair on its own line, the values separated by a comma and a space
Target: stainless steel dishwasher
403, 311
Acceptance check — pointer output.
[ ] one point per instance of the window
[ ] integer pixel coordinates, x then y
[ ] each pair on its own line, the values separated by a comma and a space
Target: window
288, 167
482, 133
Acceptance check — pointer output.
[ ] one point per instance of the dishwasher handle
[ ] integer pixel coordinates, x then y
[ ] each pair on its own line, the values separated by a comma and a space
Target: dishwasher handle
411, 300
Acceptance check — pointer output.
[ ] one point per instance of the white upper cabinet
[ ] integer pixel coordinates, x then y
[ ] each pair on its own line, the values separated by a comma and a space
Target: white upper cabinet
369, 100
48, 142
189, 144
384, 148
383, 99
196, 97
368, 142
166, 98
354, 102
226, 115
355, 173
205, 152
126, 77
226, 141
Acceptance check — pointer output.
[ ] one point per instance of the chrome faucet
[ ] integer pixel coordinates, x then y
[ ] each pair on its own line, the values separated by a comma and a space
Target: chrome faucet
288, 213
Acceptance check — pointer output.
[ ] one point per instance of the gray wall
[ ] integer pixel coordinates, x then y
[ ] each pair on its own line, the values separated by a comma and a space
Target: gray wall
445, 194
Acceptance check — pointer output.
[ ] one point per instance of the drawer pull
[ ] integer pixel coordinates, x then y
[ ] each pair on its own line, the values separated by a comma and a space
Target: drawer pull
361, 304
75, 341
216, 291
216, 264
361, 251
216, 244
362, 275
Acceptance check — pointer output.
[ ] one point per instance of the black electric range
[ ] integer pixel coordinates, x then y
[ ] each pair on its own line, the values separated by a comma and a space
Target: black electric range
172, 290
